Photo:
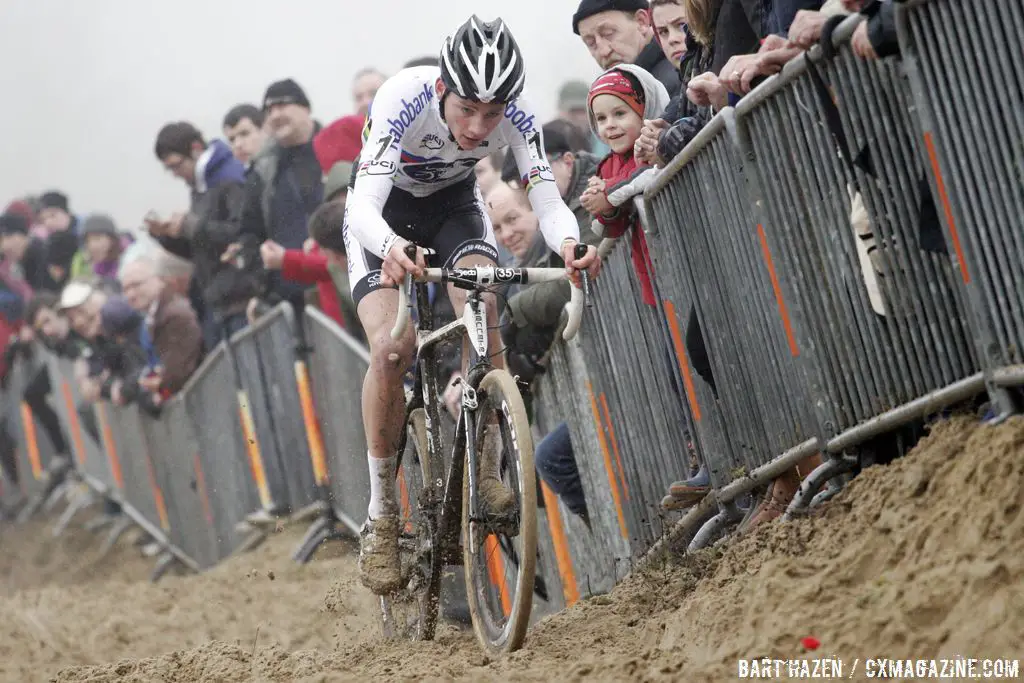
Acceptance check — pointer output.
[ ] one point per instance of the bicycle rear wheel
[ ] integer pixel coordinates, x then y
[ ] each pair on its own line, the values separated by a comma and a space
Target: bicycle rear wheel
410, 613
499, 561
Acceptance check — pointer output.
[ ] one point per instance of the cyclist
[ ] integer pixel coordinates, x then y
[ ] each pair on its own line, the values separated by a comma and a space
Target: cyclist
427, 128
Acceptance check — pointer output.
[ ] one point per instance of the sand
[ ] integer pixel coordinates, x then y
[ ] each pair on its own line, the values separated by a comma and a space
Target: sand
920, 558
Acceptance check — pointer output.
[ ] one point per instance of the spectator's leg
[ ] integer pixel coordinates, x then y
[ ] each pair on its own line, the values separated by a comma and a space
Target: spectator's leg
8, 448
35, 395
87, 417
556, 465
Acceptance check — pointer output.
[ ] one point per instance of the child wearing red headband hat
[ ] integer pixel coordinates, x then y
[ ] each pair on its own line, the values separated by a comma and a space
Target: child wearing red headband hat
619, 102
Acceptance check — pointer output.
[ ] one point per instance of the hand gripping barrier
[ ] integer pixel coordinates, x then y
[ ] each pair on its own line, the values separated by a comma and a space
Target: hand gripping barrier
960, 56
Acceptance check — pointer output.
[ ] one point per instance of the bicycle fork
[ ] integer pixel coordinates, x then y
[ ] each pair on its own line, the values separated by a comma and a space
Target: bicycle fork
469, 407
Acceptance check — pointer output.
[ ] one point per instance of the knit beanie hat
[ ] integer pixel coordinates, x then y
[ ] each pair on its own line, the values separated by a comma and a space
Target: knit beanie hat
285, 92
589, 8
13, 224
119, 318
20, 206
99, 224
621, 85
54, 200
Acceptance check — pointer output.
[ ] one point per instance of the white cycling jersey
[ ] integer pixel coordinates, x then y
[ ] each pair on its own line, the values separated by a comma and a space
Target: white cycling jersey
407, 145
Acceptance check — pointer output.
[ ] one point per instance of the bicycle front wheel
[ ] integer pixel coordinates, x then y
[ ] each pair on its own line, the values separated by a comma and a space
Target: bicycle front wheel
500, 554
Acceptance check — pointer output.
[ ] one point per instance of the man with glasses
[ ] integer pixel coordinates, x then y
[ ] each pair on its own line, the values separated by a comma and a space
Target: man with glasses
219, 291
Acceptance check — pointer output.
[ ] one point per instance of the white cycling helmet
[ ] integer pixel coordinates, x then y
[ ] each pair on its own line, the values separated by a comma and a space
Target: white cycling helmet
481, 62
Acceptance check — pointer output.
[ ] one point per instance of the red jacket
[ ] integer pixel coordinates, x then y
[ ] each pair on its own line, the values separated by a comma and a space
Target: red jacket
616, 170
310, 269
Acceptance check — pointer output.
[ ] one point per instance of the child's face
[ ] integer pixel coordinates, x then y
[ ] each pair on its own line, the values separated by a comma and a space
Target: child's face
99, 247
618, 125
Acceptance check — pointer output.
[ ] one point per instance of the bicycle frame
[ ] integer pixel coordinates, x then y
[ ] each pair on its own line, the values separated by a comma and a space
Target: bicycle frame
446, 492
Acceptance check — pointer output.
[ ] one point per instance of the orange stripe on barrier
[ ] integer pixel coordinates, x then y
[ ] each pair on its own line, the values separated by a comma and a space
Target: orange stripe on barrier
615, 444
783, 311
563, 557
158, 494
316, 442
608, 463
496, 570
252, 448
681, 358
204, 496
403, 495
109, 446
76, 428
947, 209
32, 444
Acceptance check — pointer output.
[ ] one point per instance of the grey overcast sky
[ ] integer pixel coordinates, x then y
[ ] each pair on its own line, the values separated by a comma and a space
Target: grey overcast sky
88, 83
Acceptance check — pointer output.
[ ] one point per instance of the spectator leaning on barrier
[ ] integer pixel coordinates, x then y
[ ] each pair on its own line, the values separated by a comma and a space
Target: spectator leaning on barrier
24, 256
216, 180
51, 326
170, 333
286, 186
130, 365
243, 129
619, 32
365, 85
620, 100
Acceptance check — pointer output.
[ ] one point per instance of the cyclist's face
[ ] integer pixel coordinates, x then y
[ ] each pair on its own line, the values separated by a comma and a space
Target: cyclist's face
471, 122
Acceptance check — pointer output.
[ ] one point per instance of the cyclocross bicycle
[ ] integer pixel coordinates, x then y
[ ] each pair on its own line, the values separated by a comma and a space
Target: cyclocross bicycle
444, 522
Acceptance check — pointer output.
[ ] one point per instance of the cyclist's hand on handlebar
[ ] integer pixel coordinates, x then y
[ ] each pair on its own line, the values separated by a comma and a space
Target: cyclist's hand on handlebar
397, 264
590, 262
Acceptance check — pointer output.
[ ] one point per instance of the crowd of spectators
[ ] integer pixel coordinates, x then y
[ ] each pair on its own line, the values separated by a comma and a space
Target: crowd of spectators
137, 309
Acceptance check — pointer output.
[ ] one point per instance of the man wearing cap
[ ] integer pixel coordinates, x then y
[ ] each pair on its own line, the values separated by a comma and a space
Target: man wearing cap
620, 32
24, 256
216, 181
286, 185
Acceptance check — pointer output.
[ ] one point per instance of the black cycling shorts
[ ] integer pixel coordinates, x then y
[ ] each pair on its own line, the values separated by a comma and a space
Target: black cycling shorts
451, 221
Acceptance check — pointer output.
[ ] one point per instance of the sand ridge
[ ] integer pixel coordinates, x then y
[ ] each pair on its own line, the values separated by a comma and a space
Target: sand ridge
920, 558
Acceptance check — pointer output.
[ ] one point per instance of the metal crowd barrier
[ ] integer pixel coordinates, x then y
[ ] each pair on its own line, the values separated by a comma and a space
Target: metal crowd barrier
337, 365
263, 358
960, 57
33, 449
823, 330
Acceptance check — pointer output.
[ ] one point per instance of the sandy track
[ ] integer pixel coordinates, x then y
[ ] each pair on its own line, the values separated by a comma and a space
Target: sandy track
923, 558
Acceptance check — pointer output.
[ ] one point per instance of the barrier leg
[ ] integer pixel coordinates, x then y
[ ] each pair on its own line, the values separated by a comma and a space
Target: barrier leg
252, 540
832, 488
30, 507
832, 467
79, 502
99, 522
322, 530
728, 514
116, 531
163, 563
58, 494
